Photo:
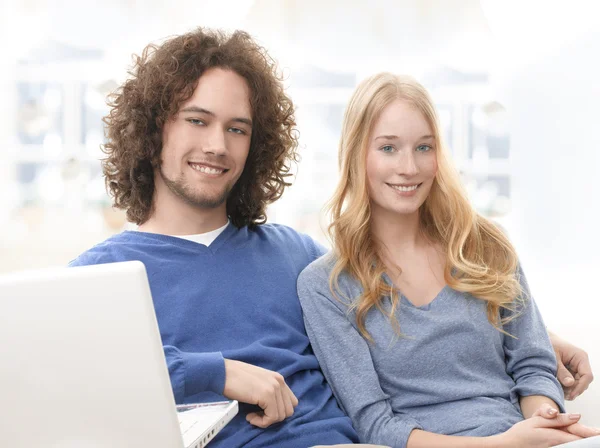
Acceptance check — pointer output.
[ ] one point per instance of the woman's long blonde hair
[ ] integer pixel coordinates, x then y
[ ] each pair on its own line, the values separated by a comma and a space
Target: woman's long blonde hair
479, 258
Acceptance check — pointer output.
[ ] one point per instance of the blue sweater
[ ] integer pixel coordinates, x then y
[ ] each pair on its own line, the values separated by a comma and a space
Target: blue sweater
235, 299
450, 373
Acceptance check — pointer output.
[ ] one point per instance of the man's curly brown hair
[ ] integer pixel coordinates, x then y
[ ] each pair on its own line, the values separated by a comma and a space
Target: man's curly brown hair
162, 79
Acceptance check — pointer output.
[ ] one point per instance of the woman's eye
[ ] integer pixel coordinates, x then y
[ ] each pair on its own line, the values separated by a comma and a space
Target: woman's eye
423, 148
387, 148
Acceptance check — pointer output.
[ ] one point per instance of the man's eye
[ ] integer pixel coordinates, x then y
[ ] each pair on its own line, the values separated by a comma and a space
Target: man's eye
195, 121
237, 131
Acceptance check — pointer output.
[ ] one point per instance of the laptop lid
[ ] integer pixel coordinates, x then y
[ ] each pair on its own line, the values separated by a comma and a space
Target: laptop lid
82, 360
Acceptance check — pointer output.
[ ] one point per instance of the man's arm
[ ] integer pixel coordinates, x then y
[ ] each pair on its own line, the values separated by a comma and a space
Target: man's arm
195, 372
192, 373
574, 369
264, 388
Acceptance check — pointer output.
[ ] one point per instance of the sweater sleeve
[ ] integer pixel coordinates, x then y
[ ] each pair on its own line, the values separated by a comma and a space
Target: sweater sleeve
530, 359
192, 373
346, 361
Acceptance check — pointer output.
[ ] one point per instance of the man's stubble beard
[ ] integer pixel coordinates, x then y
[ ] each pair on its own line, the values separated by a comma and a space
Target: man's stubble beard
179, 188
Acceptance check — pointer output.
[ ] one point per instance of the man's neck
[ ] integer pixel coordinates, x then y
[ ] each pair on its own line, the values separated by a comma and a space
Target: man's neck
183, 219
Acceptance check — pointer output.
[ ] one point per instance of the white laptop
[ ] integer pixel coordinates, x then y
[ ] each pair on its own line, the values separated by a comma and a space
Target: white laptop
82, 364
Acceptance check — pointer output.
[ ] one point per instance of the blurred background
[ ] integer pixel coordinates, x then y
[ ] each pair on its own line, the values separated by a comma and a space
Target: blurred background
516, 84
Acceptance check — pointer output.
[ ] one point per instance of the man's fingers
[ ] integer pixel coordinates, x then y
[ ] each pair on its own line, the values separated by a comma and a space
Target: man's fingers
293, 398
564, 376
289, 408
271, 404
281, 407
268, 400
581, 384
580, 366
267, 389
287, 401
290, 401
273, 410
259, 419
566, 379
254, 419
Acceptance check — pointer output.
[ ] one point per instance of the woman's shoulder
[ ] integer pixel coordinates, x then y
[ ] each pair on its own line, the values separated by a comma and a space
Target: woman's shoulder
317, 275
319, 270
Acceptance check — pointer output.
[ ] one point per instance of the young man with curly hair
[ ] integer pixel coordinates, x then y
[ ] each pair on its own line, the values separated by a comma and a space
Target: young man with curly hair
200, 140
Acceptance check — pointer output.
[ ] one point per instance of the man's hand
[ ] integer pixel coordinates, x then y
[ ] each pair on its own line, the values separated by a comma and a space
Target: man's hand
574, 369
254, 385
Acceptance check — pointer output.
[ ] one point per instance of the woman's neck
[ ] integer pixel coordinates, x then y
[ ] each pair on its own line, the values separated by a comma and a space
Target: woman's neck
397, 233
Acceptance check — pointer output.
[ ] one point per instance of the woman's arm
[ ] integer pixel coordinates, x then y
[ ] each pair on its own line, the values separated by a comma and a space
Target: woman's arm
529, 355
346, 361
424, 439
531, 404
536, 432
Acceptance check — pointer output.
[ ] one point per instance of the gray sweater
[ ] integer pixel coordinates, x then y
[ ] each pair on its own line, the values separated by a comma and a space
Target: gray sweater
450, 373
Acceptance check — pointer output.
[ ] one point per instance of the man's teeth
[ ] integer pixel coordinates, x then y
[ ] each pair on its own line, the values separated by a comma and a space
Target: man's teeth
205, 169
401, 188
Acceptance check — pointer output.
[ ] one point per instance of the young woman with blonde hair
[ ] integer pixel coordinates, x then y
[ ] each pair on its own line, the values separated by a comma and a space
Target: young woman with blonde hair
421, 316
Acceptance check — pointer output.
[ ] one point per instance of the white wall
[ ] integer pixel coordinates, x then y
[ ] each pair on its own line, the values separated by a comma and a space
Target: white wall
554, 102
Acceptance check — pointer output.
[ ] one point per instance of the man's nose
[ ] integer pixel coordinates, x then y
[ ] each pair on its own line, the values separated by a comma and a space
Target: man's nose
215, 143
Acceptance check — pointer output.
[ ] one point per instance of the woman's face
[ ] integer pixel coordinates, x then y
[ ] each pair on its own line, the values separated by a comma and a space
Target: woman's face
401, 160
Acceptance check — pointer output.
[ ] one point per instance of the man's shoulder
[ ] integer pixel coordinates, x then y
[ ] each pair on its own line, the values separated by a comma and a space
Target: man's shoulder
275, 230
289, 238
107, 251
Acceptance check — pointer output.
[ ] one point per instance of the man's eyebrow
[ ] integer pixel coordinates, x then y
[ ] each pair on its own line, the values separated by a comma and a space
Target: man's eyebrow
243, 120
201, 110
197, 109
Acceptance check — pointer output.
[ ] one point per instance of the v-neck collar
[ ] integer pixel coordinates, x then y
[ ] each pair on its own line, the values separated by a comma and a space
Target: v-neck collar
406, 301
182, 242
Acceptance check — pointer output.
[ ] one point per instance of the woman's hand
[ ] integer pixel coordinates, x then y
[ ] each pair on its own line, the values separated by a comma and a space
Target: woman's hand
577, 429
539, 432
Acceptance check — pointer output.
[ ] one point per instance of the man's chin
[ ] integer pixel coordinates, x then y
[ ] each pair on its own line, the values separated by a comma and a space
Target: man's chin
197, 198
207, 201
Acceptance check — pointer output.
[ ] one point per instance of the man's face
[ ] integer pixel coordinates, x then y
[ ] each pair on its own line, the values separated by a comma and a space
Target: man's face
206, 144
